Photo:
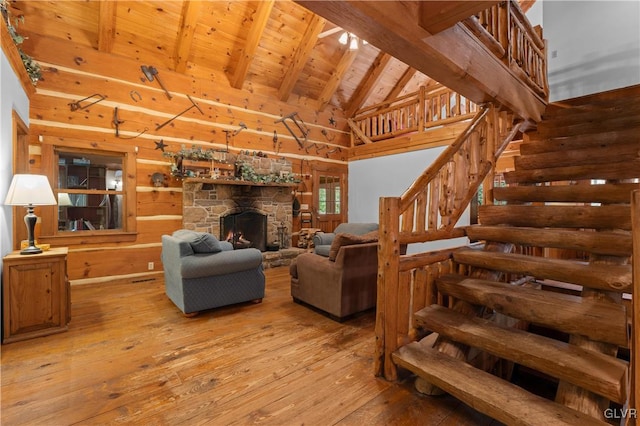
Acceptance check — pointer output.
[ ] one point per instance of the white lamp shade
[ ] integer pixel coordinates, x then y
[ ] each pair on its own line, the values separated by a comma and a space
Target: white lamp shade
30, 190
64, 199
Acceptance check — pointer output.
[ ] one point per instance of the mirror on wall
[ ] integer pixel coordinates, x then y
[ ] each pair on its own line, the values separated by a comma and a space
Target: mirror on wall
90, 191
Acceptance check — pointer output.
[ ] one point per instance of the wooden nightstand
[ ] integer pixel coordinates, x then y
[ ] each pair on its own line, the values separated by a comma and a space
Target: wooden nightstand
35, 295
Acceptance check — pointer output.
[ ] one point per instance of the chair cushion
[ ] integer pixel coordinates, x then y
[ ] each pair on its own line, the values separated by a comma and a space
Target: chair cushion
350, 239
201, 242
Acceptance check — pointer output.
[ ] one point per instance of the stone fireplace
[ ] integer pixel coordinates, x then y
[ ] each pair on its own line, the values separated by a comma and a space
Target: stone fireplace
206, 201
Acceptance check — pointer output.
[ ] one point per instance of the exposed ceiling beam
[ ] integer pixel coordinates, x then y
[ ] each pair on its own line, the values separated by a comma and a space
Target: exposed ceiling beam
260, 19
401, 83
107, 26
188, 22
438, 15
368, 84
300, 57
453, 57
336, 76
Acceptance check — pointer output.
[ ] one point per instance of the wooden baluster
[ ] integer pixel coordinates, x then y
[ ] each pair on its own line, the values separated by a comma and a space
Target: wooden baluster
434, 196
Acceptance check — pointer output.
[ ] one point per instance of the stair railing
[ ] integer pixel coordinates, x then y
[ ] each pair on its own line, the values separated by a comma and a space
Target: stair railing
411, 113
506, 31
429, 211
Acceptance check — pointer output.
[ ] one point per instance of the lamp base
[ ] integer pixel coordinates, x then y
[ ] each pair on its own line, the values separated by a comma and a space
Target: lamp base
31, 250
30, 220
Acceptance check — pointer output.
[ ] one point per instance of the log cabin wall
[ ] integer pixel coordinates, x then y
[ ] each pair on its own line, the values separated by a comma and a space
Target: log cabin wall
71, 73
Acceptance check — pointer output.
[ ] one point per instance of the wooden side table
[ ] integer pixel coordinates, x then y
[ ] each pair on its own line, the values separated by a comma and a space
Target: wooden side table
35, 295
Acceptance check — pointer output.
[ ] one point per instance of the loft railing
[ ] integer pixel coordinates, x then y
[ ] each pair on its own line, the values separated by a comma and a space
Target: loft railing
429, 211
505, 30
414, 112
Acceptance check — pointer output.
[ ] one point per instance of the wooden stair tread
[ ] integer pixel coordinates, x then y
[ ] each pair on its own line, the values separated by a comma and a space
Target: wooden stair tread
611, 123
551, 356
608, 243
556, 216
599, 320
578, 156
599, 276
484, 392
605, 193
531, 145
624, 169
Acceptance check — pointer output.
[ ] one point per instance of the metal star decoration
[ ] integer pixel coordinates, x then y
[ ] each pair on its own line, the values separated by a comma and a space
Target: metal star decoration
332, 121
160, 145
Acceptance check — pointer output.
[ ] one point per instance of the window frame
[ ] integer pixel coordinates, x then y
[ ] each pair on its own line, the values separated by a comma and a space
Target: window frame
128, 232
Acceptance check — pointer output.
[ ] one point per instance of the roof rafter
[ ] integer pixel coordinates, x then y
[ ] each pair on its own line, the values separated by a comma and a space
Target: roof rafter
368, 84
300, 57
401, 83
454, 57
336, 76
188, 22
260, 19
107, 26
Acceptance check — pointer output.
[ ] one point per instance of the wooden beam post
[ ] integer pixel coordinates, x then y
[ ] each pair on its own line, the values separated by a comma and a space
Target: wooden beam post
388, 282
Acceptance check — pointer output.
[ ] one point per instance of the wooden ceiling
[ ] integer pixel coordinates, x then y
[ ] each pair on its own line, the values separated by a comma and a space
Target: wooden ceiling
277, 48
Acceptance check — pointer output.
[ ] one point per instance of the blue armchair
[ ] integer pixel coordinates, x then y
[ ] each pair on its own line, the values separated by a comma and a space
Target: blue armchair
201, 272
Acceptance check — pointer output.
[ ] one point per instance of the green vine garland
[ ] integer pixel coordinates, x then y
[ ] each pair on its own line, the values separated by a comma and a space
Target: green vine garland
32, 67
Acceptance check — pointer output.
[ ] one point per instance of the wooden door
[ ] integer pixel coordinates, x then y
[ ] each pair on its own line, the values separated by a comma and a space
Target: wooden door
330, 197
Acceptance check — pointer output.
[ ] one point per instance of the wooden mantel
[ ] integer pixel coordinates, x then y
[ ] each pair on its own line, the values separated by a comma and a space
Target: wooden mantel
238, 182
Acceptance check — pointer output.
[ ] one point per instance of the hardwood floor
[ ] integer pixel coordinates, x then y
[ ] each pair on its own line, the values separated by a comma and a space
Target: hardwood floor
131, 357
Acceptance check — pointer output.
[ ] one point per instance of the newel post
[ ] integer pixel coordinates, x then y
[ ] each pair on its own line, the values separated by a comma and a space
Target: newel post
387, 296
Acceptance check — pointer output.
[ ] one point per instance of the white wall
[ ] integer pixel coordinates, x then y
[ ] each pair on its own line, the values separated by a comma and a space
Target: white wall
596, 43
13, 98
390, 176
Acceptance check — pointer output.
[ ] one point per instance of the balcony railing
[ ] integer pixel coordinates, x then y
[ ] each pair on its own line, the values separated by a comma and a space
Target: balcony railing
414, 112
505, 30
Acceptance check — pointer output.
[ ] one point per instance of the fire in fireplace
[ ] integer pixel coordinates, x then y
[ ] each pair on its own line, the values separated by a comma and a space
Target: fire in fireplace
245, 229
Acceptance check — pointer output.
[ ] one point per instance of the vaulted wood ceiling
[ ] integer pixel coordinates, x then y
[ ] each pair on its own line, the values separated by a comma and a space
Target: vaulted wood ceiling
274, 47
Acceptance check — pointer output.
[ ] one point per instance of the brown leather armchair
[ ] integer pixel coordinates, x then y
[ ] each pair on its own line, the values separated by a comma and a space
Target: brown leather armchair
340, 287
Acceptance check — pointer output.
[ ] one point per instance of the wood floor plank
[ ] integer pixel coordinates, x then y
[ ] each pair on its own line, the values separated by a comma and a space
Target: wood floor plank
130, 356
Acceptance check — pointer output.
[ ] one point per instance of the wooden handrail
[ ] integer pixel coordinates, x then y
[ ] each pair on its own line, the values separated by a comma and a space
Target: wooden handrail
409, 196
427, 211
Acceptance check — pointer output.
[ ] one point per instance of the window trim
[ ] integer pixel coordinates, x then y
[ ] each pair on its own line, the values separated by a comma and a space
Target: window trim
49, 230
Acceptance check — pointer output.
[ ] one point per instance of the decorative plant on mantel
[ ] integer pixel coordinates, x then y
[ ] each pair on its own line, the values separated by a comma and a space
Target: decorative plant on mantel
32, 67
194, 153
244, 170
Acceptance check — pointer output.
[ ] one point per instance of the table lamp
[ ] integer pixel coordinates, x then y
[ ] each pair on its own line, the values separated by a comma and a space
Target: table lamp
29, 191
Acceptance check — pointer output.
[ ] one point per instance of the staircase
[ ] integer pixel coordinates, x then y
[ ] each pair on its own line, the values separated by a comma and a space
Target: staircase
566, 213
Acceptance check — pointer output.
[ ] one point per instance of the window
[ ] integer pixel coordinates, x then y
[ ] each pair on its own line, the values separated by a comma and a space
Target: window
329, 195
89, 191
95, 185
